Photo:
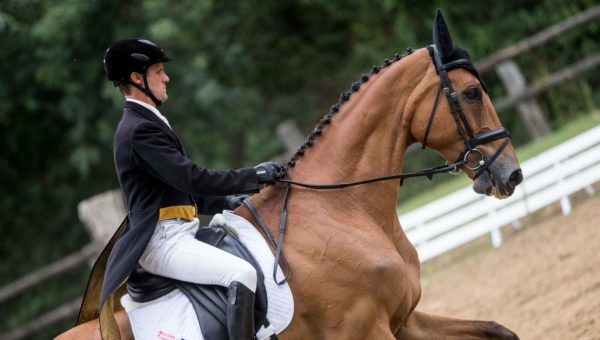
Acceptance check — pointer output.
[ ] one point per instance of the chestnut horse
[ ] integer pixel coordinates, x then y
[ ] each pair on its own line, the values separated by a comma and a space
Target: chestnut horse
354, 274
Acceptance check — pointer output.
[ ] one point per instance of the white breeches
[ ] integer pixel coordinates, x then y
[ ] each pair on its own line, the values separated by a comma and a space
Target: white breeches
174, 252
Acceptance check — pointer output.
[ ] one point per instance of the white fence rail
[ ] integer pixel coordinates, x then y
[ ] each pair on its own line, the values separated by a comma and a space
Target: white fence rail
462, 216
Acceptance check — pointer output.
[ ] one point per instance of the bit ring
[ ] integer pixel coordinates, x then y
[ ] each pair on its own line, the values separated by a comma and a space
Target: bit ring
478, 164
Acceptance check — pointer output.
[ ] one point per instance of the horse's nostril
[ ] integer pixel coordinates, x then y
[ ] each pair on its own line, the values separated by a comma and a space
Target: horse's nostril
515, 178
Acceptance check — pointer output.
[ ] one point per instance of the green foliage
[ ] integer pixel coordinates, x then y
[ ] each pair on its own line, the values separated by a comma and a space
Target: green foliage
241, 67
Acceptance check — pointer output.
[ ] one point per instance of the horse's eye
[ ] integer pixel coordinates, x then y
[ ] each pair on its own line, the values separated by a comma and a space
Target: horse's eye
472, 94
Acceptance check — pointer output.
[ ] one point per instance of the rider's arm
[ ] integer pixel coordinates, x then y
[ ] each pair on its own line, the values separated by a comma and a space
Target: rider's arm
156, 152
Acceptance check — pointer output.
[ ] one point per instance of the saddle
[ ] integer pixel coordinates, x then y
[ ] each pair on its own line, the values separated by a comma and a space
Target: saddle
209, 302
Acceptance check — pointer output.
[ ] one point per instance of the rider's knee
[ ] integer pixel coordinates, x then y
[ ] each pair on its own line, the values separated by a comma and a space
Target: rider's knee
246, 274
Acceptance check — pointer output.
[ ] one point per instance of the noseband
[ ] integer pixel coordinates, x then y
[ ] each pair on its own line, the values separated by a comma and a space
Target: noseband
471, 141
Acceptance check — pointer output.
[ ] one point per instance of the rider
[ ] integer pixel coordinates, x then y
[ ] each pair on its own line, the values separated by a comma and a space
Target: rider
164, 191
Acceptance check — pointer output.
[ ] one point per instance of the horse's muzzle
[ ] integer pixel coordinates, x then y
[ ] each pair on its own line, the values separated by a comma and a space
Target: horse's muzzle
500, 179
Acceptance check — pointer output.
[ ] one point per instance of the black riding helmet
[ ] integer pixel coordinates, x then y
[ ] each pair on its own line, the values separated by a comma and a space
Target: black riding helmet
133, 55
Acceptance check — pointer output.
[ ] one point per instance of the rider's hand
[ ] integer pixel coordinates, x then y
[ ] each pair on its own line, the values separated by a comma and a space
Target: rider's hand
234, 201
269, 172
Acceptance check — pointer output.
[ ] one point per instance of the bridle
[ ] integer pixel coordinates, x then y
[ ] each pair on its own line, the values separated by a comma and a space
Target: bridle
471, 141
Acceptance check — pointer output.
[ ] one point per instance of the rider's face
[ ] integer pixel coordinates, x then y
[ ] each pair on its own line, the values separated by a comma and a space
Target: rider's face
157, 81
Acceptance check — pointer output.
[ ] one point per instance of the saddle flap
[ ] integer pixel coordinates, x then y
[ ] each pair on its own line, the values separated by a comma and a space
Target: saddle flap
144, 287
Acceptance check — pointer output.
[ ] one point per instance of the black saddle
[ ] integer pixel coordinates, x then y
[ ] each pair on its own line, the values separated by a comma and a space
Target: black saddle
209, 302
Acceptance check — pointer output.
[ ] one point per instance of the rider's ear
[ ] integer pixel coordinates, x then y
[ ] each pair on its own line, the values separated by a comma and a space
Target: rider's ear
441, 35
135, 77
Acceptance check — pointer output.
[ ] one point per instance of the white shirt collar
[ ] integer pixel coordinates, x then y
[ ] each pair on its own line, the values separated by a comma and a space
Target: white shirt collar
151, 108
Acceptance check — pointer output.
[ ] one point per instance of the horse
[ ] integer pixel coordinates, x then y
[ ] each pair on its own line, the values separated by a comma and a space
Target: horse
353, 272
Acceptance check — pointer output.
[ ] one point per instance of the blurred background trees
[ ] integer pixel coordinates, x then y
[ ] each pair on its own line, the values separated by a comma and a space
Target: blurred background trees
240, 68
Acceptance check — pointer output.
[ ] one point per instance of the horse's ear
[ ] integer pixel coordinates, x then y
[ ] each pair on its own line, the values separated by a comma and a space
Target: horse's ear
441, 35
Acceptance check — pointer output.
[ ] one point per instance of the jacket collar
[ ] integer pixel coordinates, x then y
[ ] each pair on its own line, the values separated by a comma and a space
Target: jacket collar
151, 108
132, 106
149, 115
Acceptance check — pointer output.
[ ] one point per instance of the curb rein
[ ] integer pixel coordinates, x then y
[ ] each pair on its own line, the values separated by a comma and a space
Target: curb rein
471, 141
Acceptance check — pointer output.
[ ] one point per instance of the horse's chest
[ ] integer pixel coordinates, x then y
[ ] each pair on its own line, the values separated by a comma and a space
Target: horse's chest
352, 266
349, 280
381, 271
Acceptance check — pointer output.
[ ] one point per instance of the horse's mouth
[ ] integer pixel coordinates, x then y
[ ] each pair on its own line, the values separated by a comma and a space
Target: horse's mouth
496, 193
487, 184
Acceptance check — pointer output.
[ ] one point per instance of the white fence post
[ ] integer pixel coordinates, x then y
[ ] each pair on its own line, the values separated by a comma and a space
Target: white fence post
495, 234
565, 204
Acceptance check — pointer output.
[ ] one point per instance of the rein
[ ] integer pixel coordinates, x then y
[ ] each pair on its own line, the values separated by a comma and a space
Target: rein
429, 172
278, 245
470, 140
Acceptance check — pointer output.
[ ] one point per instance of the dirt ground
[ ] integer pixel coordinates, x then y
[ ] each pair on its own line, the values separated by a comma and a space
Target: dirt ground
542, 283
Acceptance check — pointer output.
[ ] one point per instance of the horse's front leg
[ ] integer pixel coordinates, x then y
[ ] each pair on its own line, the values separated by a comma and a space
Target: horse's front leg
425, 326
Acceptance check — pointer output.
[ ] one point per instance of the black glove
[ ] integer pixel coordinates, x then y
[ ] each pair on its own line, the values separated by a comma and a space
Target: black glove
234, 201
269, 172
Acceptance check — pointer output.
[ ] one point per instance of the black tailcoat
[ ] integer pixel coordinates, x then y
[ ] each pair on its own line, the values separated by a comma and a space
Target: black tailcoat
154, 172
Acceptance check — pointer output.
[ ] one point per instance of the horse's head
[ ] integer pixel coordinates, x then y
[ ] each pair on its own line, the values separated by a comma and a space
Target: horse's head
462, 124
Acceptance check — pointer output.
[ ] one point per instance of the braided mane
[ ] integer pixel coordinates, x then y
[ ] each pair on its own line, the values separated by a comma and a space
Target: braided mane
344, 97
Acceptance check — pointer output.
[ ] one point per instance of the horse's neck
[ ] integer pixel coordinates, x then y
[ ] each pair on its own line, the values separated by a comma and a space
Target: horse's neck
367, 138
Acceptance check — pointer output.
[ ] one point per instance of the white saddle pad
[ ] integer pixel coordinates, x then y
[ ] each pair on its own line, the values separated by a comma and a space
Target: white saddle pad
172, 316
